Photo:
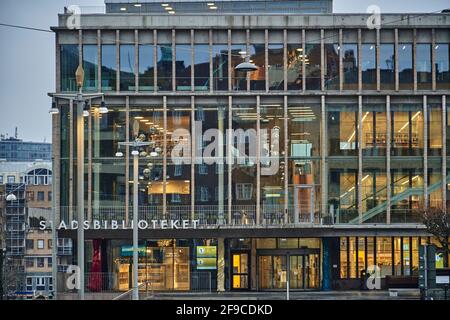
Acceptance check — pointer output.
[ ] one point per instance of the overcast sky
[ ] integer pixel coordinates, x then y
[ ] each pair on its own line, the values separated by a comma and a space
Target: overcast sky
27, 57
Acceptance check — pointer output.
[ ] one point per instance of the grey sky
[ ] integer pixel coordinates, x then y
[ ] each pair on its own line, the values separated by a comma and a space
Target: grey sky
27, 57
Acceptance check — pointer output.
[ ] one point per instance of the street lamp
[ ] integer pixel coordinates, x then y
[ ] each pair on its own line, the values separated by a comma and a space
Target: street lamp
135, 153
81, 101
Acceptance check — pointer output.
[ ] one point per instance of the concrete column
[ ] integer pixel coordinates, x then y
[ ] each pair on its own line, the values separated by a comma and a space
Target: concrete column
71, 160
80, 47
247, 37
341, 66
118, 60
220, 264
322, 60
80, 193
211, 65
425, 152
378, 60
266, 58
360, 168
155, 60
230, 84
258, 161
359, 61
192, 61
303, 64
57, 64
433, 59
127, 160
285, 60
323, 158
414, 53
136, 60
396, 59
230, 160
89, 167
174, 59
286, 165
99, 58
444, 153
221, 175
388, 159
193, 155
165, 156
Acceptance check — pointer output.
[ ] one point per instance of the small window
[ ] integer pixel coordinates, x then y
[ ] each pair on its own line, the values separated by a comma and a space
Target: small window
29, 281
244, 191
40, 262
30, 244
40, 244
49, 243
41, 196
1, 179
49, 262
11, 179
29, 263
49, 196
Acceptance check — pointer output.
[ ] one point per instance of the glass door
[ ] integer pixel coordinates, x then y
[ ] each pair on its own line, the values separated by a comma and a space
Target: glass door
240, 267
304, 271
296, 272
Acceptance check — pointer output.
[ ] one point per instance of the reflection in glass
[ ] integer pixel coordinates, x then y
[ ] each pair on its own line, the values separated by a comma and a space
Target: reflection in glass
405, 66
342, 133
201, 67
146, 68
258, 57
90, 66
164, 67
368, 65
239, 77
312, 63
220, 66
69, 64
350, 66
183, 67
442, 52
423, 66
387, 66
295, 62
332, 66
276, 66
109, 67
127, 75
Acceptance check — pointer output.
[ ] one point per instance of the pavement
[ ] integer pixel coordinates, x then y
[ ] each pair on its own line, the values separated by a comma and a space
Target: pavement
402, 294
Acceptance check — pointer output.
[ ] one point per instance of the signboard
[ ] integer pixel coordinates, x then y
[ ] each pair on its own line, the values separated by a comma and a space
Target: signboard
442, 279
206, 257
127, 251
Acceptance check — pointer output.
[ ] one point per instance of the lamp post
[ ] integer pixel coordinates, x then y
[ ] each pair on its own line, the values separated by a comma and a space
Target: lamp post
135, 153
80, 100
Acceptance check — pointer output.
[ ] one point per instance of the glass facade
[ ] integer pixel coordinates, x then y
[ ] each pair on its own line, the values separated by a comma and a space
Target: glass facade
109, 67
387, 66
146, 67
350, 66
369, 66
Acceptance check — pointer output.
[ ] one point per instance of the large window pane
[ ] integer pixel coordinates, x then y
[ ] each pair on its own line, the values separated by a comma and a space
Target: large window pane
127, 76
146, 68
276, 67
164, 67
304, 130
369, 67
312, 63
384, 256
423, 66
332, 66
374, 130
387, 66
407, 129
90, 66
201, 67
350, 66
183, 67
70, 59
342, 133
434, 130
220, 67
109, 67
258, 57
107, 131
405, 66
343, 258
296, 59
442, 54
239, 77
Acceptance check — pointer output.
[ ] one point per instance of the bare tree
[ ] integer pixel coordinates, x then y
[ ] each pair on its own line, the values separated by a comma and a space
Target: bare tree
437, 222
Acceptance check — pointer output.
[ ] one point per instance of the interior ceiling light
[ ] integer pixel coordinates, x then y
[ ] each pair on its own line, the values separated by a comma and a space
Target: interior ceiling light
123, 9
165, 4
138, 5
213, 8
171, 12
168, 8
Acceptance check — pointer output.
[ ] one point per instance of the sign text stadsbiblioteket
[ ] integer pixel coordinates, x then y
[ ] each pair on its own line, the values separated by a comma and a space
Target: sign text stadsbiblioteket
121, 224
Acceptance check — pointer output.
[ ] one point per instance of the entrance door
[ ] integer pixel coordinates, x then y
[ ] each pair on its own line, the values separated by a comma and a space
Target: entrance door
239, 271
303, 203
304, 271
